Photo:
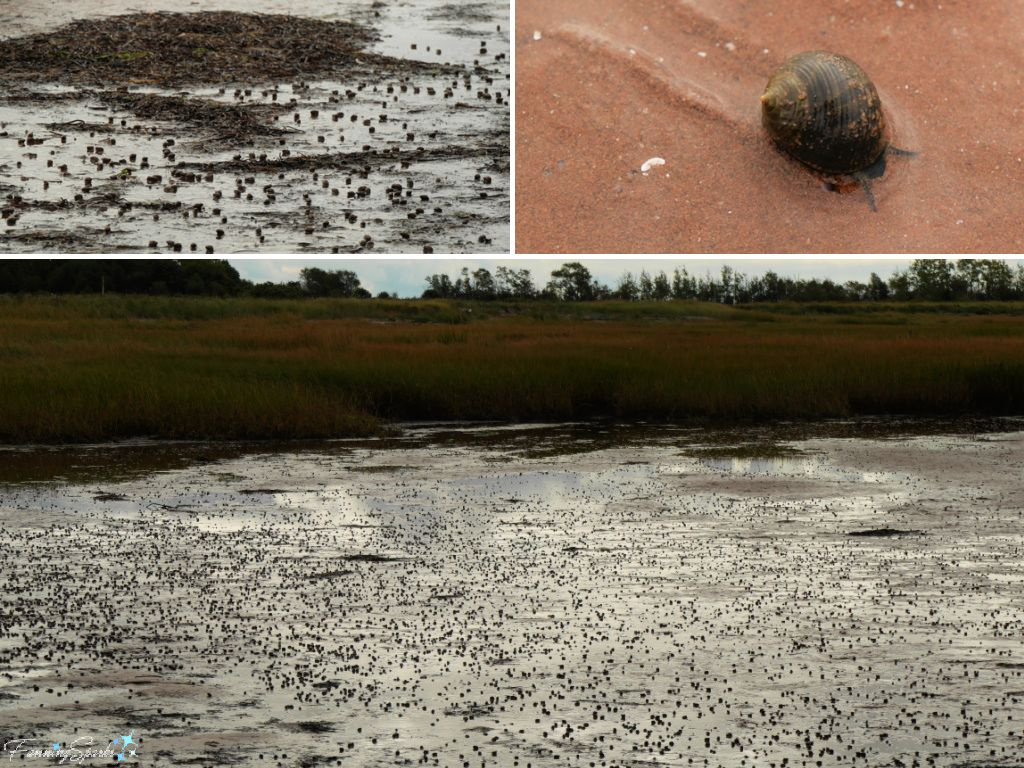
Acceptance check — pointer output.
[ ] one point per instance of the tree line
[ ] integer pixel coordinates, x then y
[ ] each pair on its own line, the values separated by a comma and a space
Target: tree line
925, 279
168, 277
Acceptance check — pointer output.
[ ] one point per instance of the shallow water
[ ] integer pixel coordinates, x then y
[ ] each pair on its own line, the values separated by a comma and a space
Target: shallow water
460, 203
554, 596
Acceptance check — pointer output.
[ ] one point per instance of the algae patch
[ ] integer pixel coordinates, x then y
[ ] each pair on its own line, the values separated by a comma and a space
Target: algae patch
167, 49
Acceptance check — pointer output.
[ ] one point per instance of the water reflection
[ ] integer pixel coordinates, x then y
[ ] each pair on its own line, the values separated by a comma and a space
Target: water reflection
410, 599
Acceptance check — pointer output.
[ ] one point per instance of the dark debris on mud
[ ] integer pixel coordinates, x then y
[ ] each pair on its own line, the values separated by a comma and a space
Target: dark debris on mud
125, 81
228, 121
167, 49
883, 532
462, 11
217, 120
330, 575
371, 558
358, 160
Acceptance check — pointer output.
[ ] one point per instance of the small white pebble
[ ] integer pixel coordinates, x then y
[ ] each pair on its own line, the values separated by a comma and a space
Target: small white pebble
899, 3
730, 46
702, 54
765, 51
537, 35
646, 167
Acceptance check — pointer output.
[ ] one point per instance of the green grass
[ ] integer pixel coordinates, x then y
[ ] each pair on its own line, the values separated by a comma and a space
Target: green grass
100, 367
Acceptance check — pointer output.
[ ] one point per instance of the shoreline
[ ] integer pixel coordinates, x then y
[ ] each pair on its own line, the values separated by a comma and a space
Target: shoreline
129, 459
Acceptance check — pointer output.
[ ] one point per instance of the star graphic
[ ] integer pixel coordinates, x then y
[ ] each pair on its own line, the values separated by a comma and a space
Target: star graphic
119, 756
56, 747
116, 741
126, 740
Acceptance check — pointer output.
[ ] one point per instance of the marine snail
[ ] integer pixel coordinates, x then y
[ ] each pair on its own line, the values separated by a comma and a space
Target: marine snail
822, 109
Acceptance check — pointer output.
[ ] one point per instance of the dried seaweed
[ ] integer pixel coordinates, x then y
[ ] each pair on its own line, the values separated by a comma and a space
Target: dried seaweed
58, 236
234, 121
346, 160
214, 46
83, 126
102, 200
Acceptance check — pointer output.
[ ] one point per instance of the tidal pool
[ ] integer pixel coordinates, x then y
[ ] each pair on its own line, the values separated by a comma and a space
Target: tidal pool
574, 595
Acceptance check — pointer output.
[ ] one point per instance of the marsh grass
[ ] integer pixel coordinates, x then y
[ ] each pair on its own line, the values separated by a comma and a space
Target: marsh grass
93, 368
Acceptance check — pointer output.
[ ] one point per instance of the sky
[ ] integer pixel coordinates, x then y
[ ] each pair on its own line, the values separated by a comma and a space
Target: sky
406, 277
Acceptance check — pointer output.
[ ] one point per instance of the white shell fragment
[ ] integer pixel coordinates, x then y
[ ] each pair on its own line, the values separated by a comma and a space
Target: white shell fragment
646, 167
537, 35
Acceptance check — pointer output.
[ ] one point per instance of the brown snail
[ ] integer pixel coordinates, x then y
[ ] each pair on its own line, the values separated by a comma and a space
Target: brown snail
823, 110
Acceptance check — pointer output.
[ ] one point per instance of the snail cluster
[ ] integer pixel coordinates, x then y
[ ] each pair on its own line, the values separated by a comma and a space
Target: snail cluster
822, 109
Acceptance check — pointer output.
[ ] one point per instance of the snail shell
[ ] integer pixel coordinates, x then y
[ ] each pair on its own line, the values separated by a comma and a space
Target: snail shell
822, 109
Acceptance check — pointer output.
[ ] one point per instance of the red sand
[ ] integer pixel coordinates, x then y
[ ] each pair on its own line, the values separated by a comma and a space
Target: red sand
613, 83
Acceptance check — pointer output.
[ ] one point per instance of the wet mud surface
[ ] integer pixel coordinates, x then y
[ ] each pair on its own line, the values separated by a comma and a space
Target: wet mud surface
241, 127
512, 597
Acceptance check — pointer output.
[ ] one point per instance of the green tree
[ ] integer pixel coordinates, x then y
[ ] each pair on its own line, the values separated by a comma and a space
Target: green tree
483, 285
684, 286
318, 283
930, 279
627, 289
521, 285
877, 289
439, 287
899, 285
646, 286
855, 290
662, 289
463, 285
573, 282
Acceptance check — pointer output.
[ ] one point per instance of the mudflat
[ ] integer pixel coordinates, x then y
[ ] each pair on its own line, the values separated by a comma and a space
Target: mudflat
264, 126
551, 596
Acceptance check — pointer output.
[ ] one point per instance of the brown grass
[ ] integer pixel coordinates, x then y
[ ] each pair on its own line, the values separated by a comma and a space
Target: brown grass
92, 368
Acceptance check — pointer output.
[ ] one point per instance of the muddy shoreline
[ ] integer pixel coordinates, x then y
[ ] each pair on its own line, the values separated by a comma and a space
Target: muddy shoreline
496, 595
124, 460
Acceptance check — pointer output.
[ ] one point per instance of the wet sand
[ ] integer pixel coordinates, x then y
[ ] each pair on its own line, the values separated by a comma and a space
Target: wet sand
566, 596
406, 152
605, 85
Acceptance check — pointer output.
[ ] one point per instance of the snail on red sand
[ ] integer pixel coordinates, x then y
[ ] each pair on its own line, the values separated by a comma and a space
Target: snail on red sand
822, 109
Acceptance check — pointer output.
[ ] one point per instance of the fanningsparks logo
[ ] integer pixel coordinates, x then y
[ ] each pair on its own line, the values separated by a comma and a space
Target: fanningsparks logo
120, 748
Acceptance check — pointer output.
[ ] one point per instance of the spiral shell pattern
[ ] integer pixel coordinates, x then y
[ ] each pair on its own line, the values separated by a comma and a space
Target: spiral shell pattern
822, 109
